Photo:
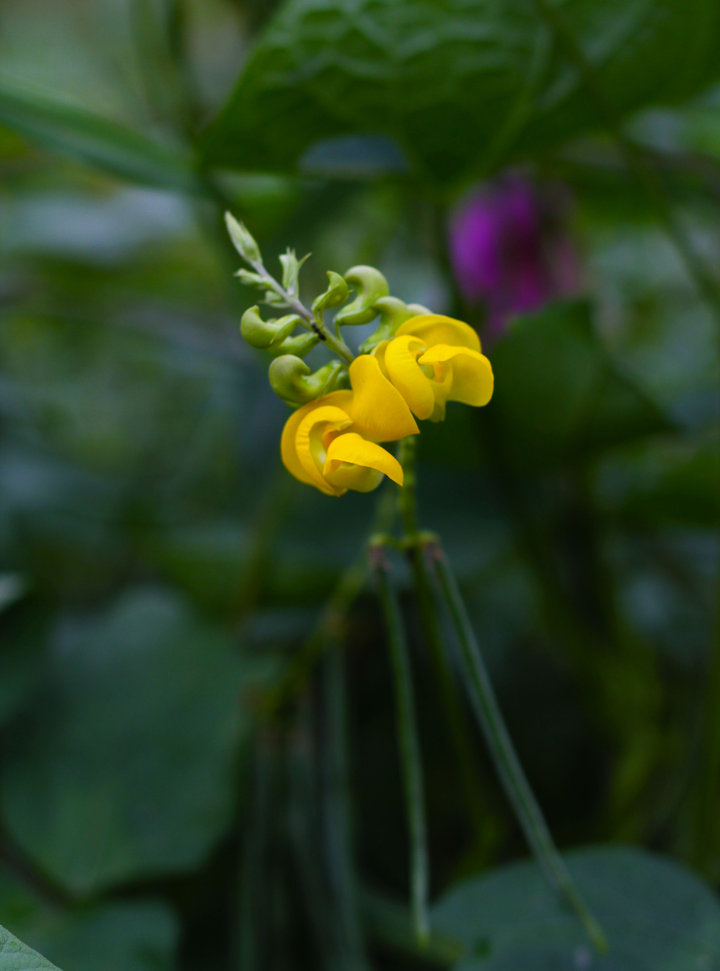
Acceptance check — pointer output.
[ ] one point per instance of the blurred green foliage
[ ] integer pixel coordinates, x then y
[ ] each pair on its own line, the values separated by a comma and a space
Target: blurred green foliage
161, 575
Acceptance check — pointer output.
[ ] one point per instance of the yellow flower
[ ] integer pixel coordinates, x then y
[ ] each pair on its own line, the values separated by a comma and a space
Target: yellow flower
433, 360
322, 446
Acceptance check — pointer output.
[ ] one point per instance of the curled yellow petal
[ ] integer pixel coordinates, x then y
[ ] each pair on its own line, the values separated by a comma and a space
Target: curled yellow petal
378, 410
311, 441
308, 472
472, 376
400, 358
355, 463
434, 329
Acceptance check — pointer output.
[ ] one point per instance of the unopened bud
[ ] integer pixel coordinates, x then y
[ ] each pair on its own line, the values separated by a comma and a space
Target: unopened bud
291, 379
266, 333
370, 286
336, 293
242, 239
393, 312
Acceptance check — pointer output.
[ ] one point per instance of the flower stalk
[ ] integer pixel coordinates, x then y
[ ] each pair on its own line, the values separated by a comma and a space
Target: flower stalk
517, 788
431, 624
338, 816
408, 742
309, 322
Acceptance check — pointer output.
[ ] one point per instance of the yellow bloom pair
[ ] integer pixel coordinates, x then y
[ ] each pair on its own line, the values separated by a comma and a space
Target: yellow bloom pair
331, 443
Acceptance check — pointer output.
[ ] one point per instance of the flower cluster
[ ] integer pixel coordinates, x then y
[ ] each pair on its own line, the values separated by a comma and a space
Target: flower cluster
408, 370
332, 442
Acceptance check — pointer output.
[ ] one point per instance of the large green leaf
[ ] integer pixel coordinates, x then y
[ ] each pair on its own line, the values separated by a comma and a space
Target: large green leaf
656, 916
127, 765
111, 937
461, 86
90, 138
115, 936
16, 956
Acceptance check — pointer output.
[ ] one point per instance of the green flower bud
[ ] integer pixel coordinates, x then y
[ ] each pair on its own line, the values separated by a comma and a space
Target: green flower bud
417, 309
336, 293
291, 270
300, 345
370, 286
291, 379
251, 279
266, 333
393, 312
242, 240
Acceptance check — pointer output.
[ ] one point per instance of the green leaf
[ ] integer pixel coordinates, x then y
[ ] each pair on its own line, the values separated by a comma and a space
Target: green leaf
113, 937
16, 956
138, 934
127, 765
74, 132
23, 631
463, 86
557, 393
655, 913
675, 483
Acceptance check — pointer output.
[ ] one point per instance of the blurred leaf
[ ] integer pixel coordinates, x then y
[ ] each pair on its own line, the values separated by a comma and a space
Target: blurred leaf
461, 86
557, 393
15, 956
127, 766
112, 937
23, 631
675, 483
93, 139
209, 560
108, 937
655, 914
12, 588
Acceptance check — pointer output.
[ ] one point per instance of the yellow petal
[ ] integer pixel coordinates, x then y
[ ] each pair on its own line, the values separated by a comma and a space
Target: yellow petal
378, 410
435, 329
356, 478
472, 376
400, 358
310, 474
349, 459
309, 443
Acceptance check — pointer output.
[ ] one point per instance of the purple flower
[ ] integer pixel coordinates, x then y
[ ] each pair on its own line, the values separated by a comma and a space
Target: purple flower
510, 249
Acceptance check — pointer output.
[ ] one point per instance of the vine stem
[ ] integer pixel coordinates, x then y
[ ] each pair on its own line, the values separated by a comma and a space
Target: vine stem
331, 626
431, 622
408, 742
338, 816
488, 712
336, 343
503, 751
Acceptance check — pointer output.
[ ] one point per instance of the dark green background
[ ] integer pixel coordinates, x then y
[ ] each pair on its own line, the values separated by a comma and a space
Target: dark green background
159, 569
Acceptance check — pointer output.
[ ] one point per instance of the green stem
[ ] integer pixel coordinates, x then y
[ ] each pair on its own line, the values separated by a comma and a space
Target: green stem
338, 817
432, 631
407, 501
408, 740
309, 322
503, 752
305, 828
252, 925
332, 622
390, 923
